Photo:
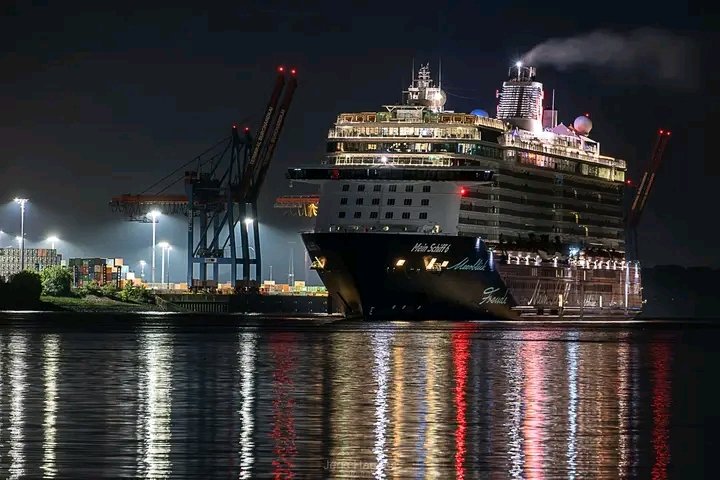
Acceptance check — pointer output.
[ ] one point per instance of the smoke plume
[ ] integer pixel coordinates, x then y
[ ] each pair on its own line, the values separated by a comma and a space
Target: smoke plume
646, 54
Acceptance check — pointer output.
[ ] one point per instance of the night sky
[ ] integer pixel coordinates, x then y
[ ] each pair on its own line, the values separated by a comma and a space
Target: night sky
98, 102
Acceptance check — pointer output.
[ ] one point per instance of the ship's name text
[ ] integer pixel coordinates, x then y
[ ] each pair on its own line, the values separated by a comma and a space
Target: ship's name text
490, 296
431, 248
464, 264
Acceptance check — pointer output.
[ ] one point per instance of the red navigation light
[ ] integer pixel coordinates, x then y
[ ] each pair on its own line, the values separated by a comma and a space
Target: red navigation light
234, 126
667, 133
281, 69
462, 191
661, 132
587, 114
293, 71
247, 129
628, 181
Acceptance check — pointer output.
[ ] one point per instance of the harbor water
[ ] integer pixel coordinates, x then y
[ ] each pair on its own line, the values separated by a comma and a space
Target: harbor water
181, 396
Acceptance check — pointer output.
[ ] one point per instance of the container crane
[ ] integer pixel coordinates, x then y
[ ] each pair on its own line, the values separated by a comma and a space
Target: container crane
221, 193
643, 192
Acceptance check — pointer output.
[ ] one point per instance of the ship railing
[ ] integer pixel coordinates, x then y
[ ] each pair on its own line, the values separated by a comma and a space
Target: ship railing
420, 161
509, 140
415, 138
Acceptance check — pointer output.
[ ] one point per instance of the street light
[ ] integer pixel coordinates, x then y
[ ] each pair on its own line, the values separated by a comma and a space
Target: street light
22, 202
53, 239
153, 215
248, 221
165, 246
142, 268
168, 264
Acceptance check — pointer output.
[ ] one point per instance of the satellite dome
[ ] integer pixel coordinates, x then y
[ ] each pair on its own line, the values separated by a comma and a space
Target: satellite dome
582, 125
479, 112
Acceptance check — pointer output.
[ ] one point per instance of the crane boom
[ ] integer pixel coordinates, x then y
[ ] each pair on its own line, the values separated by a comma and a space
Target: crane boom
261, 168
255, 171
269, 111
643, 192
648, 179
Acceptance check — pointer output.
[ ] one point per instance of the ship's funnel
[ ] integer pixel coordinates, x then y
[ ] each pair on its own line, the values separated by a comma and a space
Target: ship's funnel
521, 99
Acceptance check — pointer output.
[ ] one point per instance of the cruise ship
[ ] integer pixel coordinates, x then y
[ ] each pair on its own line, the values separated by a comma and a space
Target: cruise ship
429, 213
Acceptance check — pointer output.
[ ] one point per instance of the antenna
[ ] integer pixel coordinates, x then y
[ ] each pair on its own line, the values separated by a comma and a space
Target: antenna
412, 72
553, 110
440, 73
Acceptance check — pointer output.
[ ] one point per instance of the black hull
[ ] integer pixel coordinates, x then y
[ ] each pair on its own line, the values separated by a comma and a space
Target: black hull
386, 276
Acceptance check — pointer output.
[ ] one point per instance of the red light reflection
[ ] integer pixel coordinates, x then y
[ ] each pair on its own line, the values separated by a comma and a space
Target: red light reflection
660, 355
461, 355
283, 403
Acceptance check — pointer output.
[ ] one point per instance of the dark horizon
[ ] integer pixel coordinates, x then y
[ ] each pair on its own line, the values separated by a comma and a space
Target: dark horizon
104, 103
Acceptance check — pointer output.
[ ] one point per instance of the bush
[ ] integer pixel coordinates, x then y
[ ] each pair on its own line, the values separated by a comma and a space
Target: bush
134, 293
23, 290
56, 281
109, 290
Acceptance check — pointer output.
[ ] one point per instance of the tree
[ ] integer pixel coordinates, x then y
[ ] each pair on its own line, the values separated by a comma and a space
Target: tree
25, 288
56, 281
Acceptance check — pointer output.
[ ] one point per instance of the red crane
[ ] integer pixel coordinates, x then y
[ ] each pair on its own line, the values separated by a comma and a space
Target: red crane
643, 191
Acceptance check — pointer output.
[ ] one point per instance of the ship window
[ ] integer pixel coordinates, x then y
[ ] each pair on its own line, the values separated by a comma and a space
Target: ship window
392, 188
361, 188
408, 188
373, 214
377, 188
359, 201
357, 214
341, 214
407, 201
391, 201
423, 215
406, 215
346, 188
376, 201
426, 188
425, 202
372, 146
343, 201
388, 214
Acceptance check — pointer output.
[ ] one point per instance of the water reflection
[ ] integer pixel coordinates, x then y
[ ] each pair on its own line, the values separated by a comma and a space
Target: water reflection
396, 400
513, 401
283, 405
660, 357
461, 354
18, 369
51, 357
572, 380
155, 384
248, 352
381, 370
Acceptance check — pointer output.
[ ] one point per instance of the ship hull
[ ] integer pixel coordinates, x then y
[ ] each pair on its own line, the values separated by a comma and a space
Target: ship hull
386, 276
413, 276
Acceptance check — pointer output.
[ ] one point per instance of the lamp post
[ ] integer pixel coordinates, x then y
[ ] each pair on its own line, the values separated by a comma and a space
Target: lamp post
22, 202
53, 239
168, 265
153, 215
164, 246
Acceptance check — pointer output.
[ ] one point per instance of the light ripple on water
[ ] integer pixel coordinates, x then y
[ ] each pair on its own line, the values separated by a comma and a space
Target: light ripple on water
174, 397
